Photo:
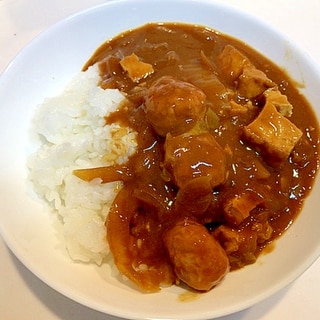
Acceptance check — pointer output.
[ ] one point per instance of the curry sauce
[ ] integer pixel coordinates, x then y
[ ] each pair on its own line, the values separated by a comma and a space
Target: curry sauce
227, 152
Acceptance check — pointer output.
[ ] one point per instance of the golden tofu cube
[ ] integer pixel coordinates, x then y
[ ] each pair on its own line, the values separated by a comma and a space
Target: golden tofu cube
231, 62
274, 135
135, 68
253, 82
280, 101
238, 208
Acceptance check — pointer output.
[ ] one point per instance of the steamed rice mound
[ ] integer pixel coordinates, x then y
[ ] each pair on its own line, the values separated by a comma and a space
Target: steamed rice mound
73, 134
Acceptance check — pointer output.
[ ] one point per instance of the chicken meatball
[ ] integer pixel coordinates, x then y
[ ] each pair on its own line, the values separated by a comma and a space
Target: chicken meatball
174, 106
197, 257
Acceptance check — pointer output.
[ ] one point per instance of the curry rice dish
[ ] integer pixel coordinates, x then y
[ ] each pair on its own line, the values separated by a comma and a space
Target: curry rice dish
225, 151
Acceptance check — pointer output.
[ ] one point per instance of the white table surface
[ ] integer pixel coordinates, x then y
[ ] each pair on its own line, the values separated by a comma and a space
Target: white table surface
24, 296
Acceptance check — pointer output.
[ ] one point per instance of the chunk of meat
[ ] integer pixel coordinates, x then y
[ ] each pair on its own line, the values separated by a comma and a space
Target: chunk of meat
240, 245
238, 207
279, 100
197, 258
231, 63
188, 157
273, 134
253, 82
229, 238
135, 68
263, 231
174, 106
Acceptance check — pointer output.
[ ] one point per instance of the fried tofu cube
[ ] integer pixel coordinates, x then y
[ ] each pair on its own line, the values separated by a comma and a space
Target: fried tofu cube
253, 82
238, 208
229, 238
280, 101
231, 62
136, 69
237, 109
237, 68
241, 243
274, 135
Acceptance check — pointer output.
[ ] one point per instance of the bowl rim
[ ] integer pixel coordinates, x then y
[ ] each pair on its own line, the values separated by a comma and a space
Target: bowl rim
91, 11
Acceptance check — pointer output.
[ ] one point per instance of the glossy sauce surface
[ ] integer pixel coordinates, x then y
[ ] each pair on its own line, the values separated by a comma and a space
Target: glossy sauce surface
271, 193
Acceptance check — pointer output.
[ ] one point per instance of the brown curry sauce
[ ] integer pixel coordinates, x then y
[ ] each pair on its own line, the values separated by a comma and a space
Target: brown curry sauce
275, 192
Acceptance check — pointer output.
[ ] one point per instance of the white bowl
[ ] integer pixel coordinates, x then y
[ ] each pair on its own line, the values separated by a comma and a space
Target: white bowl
42, 69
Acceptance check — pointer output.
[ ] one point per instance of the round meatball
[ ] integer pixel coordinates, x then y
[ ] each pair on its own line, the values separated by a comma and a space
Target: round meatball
174, 106
197, 257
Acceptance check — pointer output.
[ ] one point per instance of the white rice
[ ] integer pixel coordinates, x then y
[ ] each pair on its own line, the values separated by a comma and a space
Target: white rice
73, 134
